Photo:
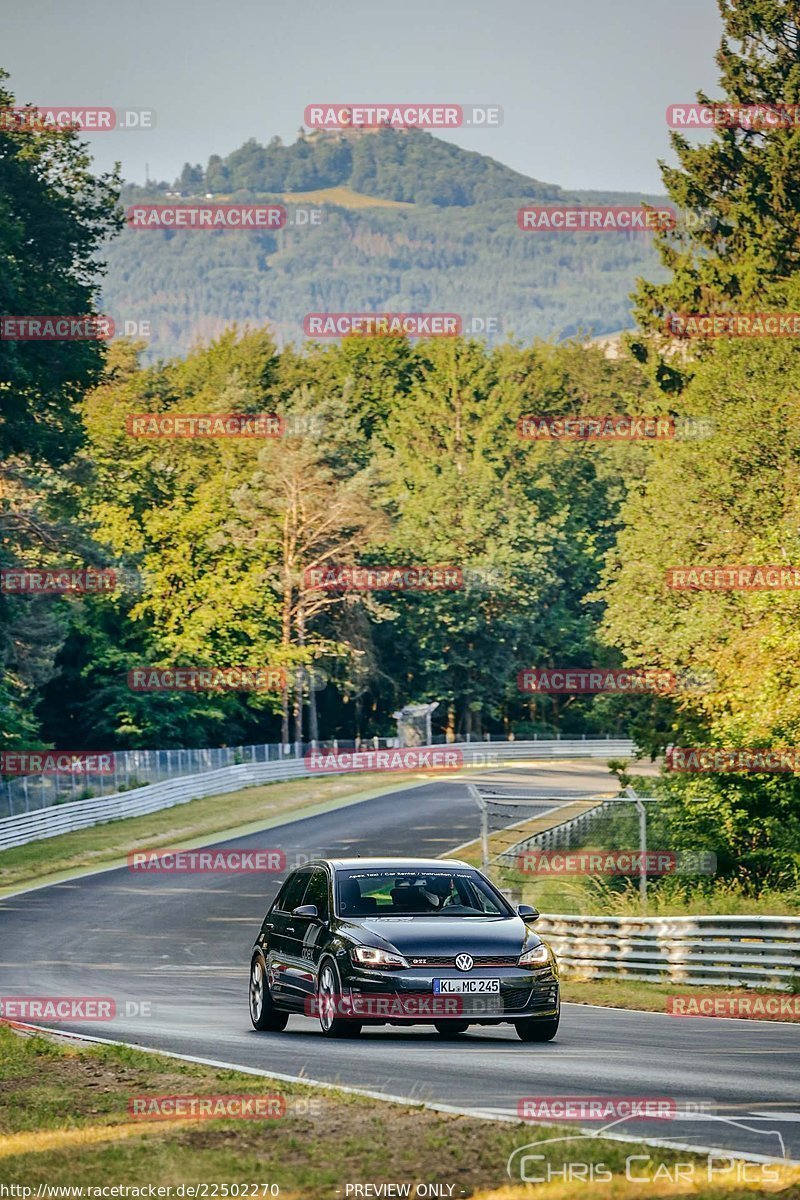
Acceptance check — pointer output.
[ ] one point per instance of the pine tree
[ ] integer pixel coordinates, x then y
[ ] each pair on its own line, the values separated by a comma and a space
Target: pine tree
741, 190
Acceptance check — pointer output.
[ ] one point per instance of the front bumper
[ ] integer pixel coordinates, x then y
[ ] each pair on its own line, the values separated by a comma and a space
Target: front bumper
407, 996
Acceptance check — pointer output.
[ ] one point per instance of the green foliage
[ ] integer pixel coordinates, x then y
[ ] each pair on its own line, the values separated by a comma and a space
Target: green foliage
732, 498
743, 183
728, 499
54, 215
393, 454
408, 454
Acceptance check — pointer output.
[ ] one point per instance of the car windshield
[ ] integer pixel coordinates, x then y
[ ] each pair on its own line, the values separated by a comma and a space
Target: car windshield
383, 893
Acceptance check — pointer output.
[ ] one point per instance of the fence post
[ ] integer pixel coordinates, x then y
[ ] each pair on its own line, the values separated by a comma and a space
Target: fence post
478, 798
642, 811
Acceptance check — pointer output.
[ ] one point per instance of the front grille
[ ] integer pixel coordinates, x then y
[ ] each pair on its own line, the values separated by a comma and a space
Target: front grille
545, 999
449, 960
536, 1000
515, 998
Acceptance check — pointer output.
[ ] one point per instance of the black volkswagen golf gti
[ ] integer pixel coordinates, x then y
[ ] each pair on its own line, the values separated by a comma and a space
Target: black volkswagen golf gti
369, 941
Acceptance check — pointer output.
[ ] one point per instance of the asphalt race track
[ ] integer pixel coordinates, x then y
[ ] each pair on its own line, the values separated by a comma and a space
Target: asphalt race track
181, 944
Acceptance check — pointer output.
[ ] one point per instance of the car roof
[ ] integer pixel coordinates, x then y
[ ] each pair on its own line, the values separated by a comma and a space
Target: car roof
391, 864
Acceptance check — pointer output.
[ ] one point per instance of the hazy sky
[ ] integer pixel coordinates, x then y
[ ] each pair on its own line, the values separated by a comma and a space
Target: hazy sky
583, 83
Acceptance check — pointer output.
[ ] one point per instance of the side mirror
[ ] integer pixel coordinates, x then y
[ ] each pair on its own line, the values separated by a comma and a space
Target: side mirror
306, 910
528, 912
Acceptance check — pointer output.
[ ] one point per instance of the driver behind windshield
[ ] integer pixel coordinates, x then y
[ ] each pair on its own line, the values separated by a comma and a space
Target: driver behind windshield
364, 893
438, 890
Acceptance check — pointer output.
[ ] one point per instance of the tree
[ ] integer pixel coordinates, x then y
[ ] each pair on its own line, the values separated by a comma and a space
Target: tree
301, 176
216, 178
459, 504
191, 178
732, 498
742, 187
307, 506
161, 507
54, 215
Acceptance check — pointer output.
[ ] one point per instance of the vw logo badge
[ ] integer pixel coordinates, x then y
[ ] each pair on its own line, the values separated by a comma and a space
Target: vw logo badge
464, 962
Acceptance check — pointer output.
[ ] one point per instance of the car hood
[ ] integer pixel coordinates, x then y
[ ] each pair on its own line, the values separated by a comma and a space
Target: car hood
449, 935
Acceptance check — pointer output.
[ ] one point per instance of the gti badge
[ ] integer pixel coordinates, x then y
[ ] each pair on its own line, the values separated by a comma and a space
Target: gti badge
464, 962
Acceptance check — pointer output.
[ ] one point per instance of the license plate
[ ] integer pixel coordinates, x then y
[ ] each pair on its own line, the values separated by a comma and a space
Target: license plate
444, 987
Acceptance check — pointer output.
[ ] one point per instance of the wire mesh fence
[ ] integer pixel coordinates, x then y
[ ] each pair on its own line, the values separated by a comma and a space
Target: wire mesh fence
135, 768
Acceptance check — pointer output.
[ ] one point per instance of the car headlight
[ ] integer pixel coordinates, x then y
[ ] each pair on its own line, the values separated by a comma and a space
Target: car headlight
535, 957
371, 956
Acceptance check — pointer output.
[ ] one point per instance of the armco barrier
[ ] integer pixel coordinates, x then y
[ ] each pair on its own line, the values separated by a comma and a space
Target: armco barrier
81, 814
727, 951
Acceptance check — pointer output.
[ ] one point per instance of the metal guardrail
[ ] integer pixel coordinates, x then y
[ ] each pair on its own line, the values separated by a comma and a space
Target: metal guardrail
729, 951
135, 768
725, 950
81, 814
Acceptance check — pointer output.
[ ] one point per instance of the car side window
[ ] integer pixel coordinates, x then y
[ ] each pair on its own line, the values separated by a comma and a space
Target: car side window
317, 893
291, 893
277, 903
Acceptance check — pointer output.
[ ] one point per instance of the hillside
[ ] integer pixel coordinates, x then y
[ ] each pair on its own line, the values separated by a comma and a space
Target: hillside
407, 165
408, 222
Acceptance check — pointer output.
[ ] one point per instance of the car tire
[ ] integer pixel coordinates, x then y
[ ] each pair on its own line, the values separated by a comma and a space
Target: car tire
451, 1028
328, 988
537, 1029
263, 1013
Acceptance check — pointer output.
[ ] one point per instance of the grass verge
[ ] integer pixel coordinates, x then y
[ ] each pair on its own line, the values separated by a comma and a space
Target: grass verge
344, 197
64, 1120
653, 997
668, 896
